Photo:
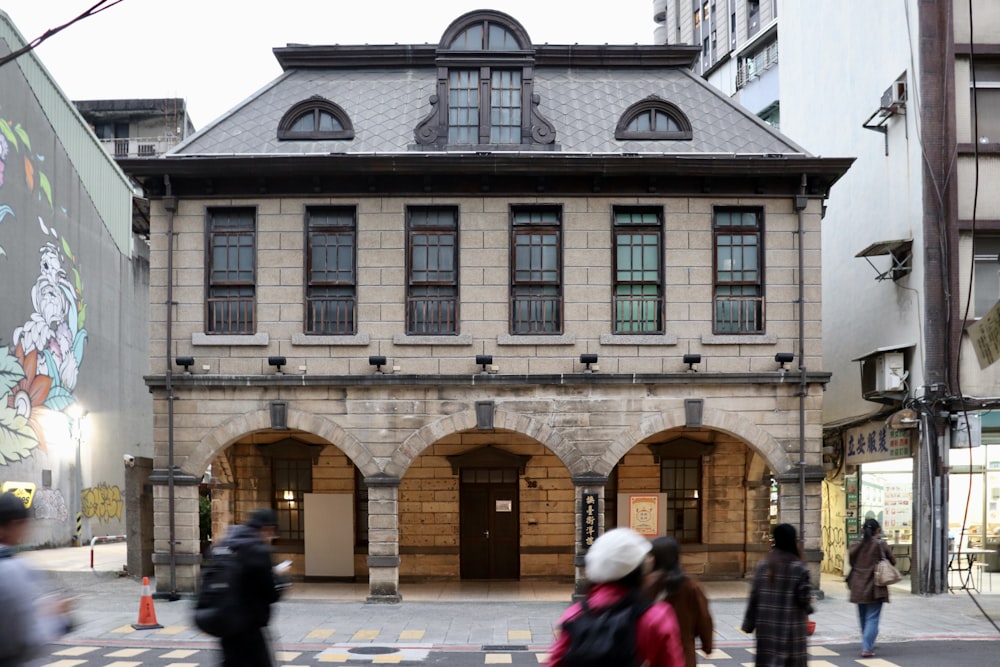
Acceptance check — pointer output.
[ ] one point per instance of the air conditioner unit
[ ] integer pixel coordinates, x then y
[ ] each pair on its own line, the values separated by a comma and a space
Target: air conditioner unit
889, 371
894, 98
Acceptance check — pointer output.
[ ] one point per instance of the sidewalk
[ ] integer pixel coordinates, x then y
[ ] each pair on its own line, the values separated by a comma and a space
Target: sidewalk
472, 615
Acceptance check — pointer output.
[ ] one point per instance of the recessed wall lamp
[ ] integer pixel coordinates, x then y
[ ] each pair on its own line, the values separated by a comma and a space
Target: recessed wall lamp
590, 360
691, 360
186, 362
277, 362
377, 362
784, 358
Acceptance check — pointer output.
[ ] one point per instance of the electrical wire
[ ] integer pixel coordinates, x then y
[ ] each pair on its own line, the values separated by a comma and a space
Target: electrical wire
30, 46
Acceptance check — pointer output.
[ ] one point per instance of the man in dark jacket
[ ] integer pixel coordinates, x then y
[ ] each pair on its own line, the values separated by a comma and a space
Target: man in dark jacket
260, 586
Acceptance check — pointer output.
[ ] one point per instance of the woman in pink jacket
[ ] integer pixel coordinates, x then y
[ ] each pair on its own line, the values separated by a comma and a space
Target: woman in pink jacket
615, 566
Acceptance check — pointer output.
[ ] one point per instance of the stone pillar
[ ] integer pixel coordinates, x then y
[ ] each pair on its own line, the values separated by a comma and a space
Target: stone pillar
383, 539
185, 565
586, 516
139, 517
790, 500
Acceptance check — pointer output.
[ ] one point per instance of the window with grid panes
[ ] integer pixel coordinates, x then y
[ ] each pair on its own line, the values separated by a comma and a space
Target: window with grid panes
739, 286
330, 270
291, 480
638, 284
536, 271
985, 122
680, 480
986, 277
432, 288
231, 291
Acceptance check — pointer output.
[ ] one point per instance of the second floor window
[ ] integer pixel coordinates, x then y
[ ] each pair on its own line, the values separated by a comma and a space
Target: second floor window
739, 286
536, 271
986, 260
232, 249
331, 287
638, 287
432, 285
470, 120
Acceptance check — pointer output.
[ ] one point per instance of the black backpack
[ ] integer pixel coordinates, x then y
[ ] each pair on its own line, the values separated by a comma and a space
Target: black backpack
218, 610
605, 637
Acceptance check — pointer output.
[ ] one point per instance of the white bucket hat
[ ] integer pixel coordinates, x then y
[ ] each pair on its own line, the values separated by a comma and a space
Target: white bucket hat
615, 554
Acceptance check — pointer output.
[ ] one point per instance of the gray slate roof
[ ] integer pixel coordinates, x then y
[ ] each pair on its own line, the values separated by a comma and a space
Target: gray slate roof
584, 105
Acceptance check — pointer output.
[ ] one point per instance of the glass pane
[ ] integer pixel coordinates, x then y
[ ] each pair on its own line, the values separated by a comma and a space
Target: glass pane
988, 112
463, 107
304, 123
501, 39
470, 39
328, 123
987, 274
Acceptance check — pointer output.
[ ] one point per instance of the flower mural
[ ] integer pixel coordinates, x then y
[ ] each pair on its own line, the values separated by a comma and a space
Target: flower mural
39, 370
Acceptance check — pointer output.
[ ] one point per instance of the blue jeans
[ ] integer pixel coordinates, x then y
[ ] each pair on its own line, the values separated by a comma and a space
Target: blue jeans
868, 615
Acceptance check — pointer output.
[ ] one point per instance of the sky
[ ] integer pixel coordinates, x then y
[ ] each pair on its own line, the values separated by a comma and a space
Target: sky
216, 53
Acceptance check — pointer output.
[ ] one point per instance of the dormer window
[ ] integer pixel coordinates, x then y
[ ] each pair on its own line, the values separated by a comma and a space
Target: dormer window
315, 118
656, 119
485, 91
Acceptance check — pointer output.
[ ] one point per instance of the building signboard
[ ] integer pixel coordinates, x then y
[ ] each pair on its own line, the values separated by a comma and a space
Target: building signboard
588, 523
875, 441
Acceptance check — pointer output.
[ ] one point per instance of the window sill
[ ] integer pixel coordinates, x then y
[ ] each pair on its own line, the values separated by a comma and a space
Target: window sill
229, 339
404, 339
359, 340
638, 339
534, 339
744, 339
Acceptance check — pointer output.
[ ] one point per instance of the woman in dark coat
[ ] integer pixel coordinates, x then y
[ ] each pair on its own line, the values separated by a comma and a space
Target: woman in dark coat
669, 582
864, 555
780, 603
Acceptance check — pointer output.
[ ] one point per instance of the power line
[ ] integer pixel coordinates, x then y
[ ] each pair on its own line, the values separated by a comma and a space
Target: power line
96, 9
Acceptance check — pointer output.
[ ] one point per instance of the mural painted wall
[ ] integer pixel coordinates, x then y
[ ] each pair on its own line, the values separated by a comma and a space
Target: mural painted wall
72, 400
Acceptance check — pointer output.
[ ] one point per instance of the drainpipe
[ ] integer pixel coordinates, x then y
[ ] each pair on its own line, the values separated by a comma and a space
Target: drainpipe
170, 205
801, 201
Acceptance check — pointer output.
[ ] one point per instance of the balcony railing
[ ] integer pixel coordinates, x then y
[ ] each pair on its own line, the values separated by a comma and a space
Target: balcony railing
535, 314
230, 315
431, 314
139, 146
330, 315
739, 314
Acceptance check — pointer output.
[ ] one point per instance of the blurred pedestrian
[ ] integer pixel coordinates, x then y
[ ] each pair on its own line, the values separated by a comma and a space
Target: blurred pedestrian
780, 603
615, 566
260, 586
30, 615
669, 582
863, 556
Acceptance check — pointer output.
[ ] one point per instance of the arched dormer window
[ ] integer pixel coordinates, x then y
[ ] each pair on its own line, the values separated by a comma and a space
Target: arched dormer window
485, 90
315, 118
654, 118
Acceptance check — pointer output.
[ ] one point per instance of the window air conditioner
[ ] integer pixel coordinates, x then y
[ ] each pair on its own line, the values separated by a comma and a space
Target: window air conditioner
889, 371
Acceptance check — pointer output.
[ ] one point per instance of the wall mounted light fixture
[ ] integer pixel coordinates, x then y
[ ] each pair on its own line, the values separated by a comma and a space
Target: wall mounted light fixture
186, 362
378, 362
691, 360
484, 360
784, 358
590, 360
277, 362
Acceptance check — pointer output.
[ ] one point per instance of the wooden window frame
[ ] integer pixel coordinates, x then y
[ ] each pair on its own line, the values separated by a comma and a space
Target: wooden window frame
436, 290
294, 507
649, 105
221, 291
758, 310
314, 105
522, 227
336, 290
676, 496
641, 228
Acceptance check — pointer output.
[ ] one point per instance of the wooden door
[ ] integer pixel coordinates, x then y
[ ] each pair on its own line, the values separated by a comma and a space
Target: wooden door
488, 524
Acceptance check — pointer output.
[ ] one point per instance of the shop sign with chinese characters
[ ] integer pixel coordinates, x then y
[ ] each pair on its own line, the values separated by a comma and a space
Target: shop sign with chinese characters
588, 532
876, 442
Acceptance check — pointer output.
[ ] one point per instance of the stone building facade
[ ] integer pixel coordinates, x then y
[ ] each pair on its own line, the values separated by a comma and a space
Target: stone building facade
491, 344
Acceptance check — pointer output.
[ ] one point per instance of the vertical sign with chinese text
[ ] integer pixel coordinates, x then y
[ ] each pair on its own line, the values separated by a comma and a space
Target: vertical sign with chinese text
588, 523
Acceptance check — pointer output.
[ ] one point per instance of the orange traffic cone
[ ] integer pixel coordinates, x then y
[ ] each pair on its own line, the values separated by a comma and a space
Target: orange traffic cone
147, 612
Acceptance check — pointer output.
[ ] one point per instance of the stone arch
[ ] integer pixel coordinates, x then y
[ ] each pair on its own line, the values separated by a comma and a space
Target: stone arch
759, 440
465, 420
232, 430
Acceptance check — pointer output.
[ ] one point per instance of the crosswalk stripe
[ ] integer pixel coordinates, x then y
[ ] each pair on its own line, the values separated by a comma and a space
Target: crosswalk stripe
499, 659
388, 658
821, 650
717, 654
287, 656
64, 663
172, 630
333, 657
178, 654
183, 664
77, 650
124, 630
126, 653
124, 663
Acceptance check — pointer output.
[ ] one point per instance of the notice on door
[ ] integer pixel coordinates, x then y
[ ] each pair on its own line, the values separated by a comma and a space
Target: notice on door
505, 506
643, 515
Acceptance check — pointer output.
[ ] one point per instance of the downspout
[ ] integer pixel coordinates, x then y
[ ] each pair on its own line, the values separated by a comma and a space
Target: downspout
170, 205
801, 201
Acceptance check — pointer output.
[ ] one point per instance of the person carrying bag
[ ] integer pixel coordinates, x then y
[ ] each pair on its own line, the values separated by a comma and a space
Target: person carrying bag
866, 557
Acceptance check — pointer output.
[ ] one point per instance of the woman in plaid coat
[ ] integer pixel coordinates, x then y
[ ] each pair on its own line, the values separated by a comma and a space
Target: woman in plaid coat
780, 603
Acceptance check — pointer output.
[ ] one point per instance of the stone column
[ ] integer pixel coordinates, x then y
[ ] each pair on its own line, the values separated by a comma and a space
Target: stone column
186, 562
790, 500
383, 539
586, 516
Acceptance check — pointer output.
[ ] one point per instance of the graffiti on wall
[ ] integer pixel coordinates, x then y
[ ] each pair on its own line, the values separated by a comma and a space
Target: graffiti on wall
103, 502
51, 504
39, 369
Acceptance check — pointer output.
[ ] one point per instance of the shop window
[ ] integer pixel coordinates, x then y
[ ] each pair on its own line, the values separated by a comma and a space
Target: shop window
680, 480
291, 480
331, 244
638, 282
739, 273
432, 282
536, 271
231, 292
314, 119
